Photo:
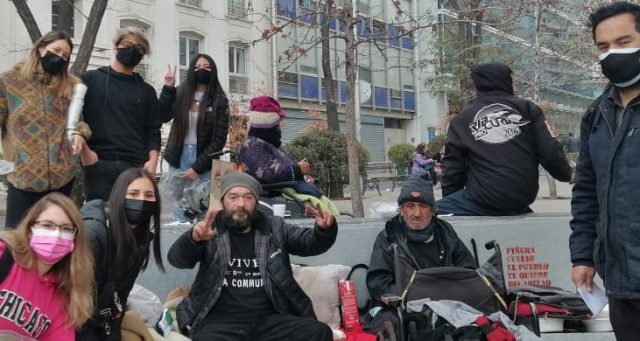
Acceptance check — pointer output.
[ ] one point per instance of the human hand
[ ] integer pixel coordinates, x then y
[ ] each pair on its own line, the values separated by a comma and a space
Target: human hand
150, 166
189, 174
77, 143
305, 167
204, 230
582, 274
170, 76
88, 157
324, 220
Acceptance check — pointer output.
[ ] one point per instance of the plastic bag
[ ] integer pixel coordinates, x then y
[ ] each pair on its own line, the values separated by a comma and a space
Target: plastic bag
146, 303
383, 210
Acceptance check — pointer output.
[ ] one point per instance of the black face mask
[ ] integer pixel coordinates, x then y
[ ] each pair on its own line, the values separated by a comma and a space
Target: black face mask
139, 211
52, 63
621, 66
203, 76
129, 56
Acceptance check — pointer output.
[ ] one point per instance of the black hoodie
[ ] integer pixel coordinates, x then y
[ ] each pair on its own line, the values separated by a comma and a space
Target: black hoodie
495, 144
121, 111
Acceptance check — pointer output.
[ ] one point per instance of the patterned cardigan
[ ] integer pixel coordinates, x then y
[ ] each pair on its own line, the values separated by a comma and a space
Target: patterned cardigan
33, 123
267, 163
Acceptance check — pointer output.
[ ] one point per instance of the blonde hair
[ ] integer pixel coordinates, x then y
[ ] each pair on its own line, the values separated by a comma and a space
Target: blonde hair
134, 31
74, 272
62, 84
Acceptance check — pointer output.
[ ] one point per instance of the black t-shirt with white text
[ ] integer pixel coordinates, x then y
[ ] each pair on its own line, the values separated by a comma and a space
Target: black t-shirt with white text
243, 293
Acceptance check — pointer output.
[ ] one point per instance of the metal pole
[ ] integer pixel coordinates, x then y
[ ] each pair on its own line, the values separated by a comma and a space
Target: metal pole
356, 91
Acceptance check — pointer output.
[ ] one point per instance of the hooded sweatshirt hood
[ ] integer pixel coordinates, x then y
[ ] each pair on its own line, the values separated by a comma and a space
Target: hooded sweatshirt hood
492, 77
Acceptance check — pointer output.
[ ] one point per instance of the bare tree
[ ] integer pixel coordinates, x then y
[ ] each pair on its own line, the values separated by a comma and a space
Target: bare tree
65, 20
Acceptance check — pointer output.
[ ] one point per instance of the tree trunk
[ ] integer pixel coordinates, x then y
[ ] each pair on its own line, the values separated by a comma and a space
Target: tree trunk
335, 185
332, 107
352, 142
64, 20
27, 19
89, 36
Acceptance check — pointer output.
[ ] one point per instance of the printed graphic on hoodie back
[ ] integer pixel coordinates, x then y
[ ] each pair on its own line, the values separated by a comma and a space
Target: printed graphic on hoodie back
496, 123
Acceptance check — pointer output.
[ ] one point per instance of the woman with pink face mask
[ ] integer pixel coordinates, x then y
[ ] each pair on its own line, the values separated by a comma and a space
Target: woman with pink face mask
46, 273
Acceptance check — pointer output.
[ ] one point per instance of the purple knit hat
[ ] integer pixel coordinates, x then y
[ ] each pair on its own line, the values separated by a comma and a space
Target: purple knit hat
265, 112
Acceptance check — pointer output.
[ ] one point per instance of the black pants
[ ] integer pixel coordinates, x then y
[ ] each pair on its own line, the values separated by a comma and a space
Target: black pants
100, 177
276, 327
19, 202
625, 317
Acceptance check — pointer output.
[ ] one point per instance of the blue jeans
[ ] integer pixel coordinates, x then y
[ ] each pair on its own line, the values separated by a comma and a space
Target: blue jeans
177, 185
460, 203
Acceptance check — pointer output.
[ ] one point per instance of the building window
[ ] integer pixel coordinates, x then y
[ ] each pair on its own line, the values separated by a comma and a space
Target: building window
189, 47
62, 16
237, 8
237, 60
393, 123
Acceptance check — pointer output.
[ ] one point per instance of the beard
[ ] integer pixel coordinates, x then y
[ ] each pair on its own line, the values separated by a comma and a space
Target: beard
246, 219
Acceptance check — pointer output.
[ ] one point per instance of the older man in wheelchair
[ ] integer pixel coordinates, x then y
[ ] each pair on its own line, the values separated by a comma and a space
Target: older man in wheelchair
420, 256
261, 155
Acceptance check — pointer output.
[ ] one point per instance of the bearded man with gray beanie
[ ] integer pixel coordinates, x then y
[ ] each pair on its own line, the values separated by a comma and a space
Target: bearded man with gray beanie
244, 289
419, 235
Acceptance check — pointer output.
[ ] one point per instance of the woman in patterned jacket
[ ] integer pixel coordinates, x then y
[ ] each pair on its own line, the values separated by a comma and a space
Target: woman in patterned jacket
34, 97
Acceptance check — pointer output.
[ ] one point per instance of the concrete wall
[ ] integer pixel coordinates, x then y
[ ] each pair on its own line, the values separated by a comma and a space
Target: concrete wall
535, 248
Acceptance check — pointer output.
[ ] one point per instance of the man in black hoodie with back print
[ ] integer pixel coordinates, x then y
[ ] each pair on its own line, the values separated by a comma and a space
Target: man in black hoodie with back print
120, 109
493, 150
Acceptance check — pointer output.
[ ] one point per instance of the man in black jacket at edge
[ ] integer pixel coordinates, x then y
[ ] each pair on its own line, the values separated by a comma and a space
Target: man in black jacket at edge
493, 150
244, 289
419, 235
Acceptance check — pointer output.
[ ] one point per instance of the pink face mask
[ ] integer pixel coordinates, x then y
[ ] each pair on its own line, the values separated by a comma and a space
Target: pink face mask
50, 246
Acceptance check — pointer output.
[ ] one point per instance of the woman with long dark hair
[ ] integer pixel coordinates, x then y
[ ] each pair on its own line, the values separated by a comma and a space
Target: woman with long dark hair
422, 163
199, 109
34, 97
121, 235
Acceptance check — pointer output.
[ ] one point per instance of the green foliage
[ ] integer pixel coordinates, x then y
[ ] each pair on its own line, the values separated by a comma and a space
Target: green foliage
436, 144
326, 151
401, 154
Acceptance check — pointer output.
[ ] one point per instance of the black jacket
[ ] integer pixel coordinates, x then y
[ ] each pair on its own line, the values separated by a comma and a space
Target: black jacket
606, 214
211, 134
495, 144
275, 240
121, 111
381, 277
107, 278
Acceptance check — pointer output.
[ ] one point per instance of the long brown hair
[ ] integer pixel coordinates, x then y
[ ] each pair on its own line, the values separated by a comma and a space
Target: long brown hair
74, 272
61, 85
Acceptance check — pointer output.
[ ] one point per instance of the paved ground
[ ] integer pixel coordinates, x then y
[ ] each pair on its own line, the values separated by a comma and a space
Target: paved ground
542, 205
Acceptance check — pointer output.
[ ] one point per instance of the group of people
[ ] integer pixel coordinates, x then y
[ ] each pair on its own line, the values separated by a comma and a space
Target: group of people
66, 273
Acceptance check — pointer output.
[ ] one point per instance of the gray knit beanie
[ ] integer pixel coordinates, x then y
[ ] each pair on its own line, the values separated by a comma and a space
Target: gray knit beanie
417, 189
231, 179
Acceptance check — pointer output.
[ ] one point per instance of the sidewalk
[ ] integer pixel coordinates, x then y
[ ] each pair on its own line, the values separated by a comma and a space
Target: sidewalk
542, 204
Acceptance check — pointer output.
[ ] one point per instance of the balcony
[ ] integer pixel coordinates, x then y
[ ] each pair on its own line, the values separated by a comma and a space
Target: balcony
238, 84
193, 3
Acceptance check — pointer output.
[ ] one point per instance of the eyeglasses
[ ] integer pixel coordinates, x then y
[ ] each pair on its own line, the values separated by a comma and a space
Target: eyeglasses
138, 47
51, 226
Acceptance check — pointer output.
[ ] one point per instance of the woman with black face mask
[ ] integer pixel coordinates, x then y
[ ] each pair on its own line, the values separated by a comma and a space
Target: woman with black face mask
121, 234
34, 97
199, 109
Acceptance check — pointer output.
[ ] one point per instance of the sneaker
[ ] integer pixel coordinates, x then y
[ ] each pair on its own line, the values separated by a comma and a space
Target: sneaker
178, 223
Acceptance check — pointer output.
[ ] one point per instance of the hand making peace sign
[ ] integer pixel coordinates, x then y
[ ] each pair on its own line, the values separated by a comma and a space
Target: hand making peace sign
170, 76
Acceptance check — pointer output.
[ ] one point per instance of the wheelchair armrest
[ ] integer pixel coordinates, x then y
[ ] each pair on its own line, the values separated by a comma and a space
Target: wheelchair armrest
392, 301
278, 185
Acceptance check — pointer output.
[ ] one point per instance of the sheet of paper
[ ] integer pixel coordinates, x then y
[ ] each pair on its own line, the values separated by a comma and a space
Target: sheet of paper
596, 300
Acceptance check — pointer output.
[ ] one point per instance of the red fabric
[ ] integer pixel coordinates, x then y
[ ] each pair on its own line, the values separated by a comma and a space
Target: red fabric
359, 335
524, 309
266, 104
494, 331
